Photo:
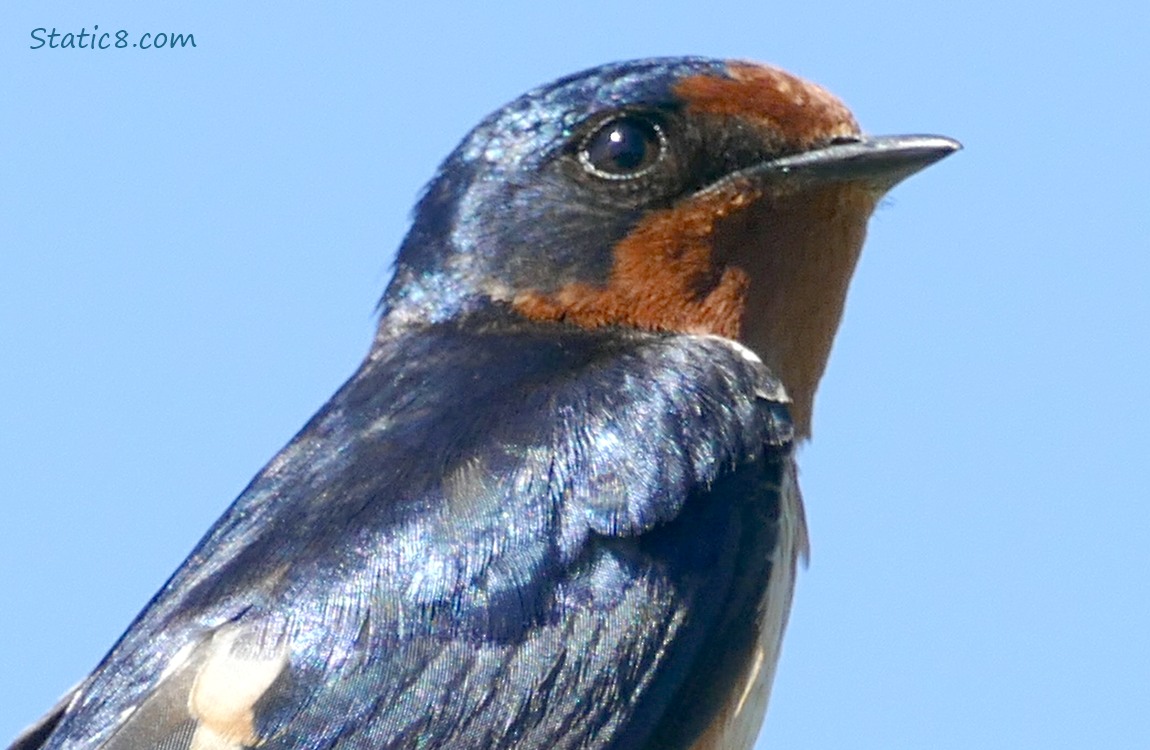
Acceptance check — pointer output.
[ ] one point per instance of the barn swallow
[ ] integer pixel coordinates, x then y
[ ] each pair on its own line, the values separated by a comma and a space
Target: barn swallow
556, 506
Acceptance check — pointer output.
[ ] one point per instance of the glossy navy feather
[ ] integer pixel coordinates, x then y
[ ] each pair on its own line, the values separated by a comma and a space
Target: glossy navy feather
483, 529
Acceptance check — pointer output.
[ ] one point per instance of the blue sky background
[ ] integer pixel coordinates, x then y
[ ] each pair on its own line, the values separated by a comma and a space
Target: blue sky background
192, 243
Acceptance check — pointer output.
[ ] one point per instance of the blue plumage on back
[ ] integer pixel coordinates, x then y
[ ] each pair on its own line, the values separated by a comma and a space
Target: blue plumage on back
479, 531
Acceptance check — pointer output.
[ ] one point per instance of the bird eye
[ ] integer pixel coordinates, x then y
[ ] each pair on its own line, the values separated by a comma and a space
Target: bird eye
622, 148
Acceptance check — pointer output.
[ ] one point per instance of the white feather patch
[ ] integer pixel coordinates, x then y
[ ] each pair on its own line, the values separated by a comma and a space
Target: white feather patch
225, 692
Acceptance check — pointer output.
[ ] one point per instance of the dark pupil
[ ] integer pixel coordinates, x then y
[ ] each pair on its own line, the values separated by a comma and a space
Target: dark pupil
623, 146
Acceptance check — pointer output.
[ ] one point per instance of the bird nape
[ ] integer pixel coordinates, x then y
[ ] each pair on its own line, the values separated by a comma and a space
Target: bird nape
556, 506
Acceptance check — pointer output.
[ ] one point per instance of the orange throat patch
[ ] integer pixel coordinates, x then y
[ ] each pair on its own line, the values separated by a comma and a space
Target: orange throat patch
665, 276
768, 270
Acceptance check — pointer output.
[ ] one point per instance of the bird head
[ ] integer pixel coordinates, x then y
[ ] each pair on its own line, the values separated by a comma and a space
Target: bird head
682, 195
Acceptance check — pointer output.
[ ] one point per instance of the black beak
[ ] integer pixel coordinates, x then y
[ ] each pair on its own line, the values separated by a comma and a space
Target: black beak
882, 161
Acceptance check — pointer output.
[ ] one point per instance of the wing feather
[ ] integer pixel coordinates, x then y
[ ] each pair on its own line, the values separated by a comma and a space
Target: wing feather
484, 540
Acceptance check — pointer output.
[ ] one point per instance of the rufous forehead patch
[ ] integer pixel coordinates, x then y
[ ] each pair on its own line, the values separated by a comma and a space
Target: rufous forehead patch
799, 112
